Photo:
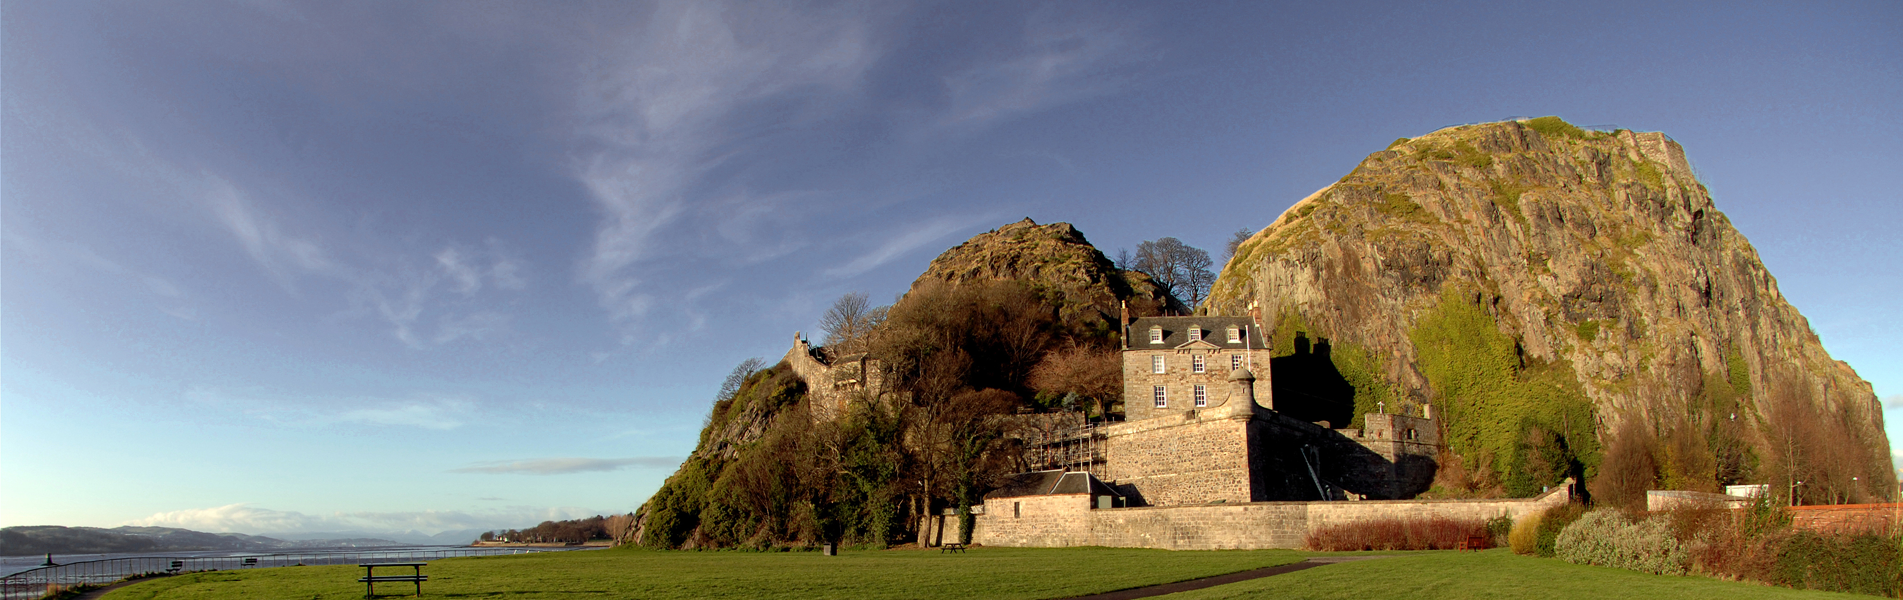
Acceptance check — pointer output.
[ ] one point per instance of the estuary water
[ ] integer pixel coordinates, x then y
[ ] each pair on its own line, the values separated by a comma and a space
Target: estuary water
14, 564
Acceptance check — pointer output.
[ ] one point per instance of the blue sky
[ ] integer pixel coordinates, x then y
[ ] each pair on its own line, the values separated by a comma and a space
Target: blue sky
312, 266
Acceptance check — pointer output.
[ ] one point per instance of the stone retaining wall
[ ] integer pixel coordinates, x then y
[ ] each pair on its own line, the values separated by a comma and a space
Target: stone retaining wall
1055, 521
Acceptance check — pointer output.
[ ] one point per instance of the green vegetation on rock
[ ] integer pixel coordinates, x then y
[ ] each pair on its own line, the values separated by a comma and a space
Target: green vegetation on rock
1555, 127
1530, 419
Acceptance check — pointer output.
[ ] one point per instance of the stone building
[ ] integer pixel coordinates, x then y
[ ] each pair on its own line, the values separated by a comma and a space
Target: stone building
1176, 364
833, 379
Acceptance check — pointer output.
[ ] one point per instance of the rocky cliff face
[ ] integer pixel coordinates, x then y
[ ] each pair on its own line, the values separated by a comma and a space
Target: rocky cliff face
1053, 258
1597, 253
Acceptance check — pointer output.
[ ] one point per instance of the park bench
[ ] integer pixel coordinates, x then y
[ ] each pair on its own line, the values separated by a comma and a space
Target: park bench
951, 547
1475, 543
249, 562
176, 566
370, 577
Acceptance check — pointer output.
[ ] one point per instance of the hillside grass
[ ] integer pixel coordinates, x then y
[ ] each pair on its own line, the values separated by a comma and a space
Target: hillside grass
1491, 574
658, 574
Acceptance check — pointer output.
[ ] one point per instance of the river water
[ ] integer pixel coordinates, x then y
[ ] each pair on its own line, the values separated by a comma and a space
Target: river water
14, 564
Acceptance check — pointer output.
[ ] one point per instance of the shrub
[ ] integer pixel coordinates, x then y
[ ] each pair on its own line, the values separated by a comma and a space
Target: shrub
1607, 538
1434, 533
1497, 530
1863, 563
1551, 523
1525, 537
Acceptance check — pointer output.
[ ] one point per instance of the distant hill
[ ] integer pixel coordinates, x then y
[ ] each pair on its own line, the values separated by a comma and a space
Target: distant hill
45, 539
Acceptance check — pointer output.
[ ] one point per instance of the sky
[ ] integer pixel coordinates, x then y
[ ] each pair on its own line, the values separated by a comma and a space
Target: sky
428, 266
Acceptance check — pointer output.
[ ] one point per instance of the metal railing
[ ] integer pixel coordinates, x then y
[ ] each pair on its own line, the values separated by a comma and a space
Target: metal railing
33, 583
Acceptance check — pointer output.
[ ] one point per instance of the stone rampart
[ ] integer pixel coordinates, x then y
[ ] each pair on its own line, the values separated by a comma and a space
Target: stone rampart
1051, 521
1188, 458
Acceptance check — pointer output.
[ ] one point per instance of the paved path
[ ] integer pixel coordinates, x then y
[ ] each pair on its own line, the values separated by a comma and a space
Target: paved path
1197, 584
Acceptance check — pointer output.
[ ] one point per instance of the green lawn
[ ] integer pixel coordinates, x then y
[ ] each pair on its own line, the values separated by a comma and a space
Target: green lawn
982, 573
628, 573
1491, 574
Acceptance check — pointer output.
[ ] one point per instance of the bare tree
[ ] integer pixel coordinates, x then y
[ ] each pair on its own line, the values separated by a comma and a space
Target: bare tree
1095, 375
1235, 244
848, 323
1182, 270
738, 377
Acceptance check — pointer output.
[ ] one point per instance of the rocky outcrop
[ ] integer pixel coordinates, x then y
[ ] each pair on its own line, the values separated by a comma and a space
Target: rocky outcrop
1056, 259
1596, 251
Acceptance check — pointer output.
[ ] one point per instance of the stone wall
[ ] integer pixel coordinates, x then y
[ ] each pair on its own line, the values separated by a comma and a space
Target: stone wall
830, 386
825, 402
1048, 521
1190, 458
1034, 522
1180, 379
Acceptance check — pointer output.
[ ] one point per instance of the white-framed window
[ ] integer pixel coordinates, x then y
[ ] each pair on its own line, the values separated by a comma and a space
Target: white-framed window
1195, 332
1156, 364
1235, 361
1156, 335
1162, 396
1202, 396
1196, 364
1235, 335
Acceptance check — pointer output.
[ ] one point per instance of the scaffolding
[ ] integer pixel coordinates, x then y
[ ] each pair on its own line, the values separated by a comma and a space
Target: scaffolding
1074, 447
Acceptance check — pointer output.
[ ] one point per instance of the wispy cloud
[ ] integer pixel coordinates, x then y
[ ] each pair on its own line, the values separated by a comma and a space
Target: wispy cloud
447, 413
171, 298
425, 411
903, 243
674, 114
563, 466
1065, 60
1893, 402
659, 114
282, 255
249, 519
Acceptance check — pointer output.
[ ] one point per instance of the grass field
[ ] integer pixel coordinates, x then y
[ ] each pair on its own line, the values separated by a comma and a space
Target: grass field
1491, 574
981, 573
629, 573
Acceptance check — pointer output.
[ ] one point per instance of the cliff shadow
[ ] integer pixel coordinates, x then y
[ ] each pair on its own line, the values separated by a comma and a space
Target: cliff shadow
1308, 387
1294, 460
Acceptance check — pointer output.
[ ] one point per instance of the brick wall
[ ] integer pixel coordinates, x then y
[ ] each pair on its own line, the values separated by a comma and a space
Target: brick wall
1069, 521
1848, 517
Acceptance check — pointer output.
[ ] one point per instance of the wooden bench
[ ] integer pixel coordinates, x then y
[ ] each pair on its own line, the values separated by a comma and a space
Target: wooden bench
952, 547
249, 562
370, 577
1476, 543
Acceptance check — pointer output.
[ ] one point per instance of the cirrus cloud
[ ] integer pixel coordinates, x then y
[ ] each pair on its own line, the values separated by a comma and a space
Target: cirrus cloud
563, 466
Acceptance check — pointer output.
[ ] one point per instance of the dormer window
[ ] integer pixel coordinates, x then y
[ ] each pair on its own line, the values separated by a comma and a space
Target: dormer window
1156, 335
1195, 333
1235, 335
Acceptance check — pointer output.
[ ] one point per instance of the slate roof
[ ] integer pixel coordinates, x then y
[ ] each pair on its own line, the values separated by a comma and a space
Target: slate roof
1176, 332
1052, 482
